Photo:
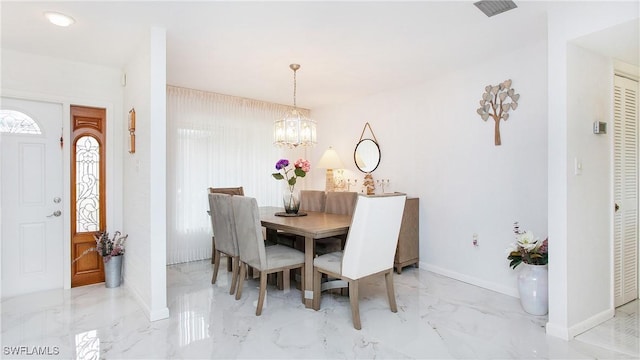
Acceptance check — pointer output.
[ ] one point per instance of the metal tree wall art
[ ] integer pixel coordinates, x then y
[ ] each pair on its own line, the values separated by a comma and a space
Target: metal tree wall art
495, 103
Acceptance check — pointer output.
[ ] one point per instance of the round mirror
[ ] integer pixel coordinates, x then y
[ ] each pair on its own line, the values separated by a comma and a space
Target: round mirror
367, 155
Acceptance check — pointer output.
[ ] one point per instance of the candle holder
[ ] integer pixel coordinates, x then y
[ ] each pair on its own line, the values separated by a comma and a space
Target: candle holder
351, 183
382, 183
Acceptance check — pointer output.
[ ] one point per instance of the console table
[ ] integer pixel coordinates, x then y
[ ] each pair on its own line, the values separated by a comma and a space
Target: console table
407, 252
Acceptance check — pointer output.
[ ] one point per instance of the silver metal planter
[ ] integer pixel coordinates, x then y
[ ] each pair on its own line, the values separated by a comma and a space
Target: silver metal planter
113, 271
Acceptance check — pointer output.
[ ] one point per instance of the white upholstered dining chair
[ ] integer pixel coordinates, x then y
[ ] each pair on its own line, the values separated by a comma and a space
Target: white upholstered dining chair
225, 239
369, 250
253, 252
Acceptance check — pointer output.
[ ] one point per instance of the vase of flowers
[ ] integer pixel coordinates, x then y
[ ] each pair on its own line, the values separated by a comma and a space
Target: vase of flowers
111, 250
533, 278
290, 199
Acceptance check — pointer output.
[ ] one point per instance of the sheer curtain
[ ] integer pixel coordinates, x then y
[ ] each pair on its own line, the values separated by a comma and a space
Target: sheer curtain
214, 140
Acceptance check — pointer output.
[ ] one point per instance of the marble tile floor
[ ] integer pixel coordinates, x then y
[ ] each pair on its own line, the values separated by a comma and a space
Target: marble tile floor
437, 318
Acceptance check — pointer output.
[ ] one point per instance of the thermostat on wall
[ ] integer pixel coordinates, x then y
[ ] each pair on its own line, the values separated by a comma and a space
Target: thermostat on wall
599, 127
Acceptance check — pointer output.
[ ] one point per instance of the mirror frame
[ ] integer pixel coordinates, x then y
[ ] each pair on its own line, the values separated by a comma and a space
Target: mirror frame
356, 150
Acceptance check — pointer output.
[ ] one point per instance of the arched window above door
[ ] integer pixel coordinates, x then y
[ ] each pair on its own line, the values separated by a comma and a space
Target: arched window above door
16, 122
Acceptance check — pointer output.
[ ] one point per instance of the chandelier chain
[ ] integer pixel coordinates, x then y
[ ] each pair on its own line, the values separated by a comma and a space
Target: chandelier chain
294, 88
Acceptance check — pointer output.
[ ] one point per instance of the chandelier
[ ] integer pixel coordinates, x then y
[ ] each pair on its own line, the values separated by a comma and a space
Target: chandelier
294, 128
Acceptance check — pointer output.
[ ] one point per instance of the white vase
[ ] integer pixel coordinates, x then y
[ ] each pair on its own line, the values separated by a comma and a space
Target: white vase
533, 285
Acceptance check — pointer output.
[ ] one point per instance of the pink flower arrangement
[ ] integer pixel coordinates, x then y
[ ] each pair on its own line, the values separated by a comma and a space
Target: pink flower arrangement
300, 168
303, 164
105, 246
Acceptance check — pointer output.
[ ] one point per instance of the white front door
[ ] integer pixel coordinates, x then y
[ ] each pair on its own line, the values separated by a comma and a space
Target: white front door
31, 198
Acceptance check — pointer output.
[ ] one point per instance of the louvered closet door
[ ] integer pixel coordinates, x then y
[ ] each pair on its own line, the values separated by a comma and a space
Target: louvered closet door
625, 136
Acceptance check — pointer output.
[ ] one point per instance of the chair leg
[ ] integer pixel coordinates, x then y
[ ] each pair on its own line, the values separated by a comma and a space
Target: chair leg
317, 277
234, 273
353, 299
213, 250
216, 265
285, 280
279, 280
243, 270
263, 289
302, 283
388, 276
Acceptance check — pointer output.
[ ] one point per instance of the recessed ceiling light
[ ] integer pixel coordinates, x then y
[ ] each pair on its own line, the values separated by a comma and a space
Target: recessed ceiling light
59, 19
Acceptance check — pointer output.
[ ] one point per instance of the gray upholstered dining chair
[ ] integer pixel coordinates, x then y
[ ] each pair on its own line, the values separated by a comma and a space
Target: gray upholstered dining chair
229, 191
369, 250
253, 252
226, 241
341, 203
312, 200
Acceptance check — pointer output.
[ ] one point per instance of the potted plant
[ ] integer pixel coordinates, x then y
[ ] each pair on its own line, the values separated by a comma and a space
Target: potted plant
533, 279
111, 250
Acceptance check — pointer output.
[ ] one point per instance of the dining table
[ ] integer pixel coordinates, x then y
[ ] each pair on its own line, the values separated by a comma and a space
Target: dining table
314, 225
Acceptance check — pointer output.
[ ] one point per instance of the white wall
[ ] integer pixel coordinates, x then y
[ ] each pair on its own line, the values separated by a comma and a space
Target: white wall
436, 147
44, 78
145, 175
590, 84
572, 211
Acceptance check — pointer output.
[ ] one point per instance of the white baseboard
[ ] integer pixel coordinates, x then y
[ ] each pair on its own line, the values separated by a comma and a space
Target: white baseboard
558, 331
568, 333
152, 314
591, 322
159, 314
471, 280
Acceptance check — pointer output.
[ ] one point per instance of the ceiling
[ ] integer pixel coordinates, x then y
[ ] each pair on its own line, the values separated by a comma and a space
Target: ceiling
346, 49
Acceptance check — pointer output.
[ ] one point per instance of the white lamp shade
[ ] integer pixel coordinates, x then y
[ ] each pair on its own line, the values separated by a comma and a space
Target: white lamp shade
330, 160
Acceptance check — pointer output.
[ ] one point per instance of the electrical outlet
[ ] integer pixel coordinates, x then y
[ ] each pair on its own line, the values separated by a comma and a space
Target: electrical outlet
475, 239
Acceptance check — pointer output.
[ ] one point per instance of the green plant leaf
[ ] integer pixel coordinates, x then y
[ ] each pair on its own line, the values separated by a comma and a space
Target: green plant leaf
299, 172
292, 181
515, 262
277, 176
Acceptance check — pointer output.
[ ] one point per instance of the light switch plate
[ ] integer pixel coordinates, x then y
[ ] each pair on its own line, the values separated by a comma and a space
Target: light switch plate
577, 166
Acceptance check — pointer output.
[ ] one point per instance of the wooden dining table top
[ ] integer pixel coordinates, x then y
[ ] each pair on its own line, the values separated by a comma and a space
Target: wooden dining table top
316, 225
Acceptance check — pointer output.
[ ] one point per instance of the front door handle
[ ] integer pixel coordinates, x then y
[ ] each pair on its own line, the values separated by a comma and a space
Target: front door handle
55, 213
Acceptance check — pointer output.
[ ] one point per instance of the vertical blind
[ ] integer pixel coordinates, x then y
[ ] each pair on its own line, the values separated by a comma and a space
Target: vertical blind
214, 140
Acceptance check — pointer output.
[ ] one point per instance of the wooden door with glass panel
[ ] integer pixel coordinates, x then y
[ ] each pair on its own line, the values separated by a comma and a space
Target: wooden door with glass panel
88, 206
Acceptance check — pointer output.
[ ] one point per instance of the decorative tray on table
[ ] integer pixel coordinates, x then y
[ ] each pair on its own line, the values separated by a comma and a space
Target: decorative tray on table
300, 213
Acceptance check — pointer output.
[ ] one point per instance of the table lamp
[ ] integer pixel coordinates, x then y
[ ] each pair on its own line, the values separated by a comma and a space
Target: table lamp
330, 161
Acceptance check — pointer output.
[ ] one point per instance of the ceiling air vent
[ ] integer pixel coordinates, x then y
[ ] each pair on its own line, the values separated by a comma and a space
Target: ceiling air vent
495, 7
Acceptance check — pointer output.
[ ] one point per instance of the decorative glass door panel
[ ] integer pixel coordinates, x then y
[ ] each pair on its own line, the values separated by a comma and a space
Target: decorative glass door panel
87, 193
87, 184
